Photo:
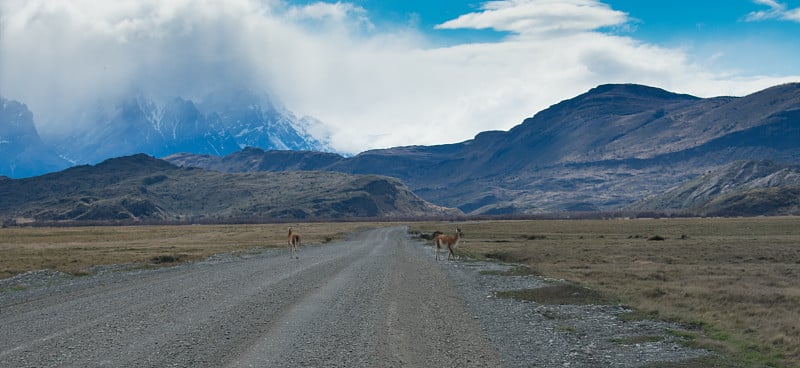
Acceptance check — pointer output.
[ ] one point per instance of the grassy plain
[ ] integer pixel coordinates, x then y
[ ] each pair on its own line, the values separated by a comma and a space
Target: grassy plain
736, 282
76, 249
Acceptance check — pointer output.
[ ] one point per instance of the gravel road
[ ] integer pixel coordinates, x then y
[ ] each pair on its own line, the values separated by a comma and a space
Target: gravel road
376, 300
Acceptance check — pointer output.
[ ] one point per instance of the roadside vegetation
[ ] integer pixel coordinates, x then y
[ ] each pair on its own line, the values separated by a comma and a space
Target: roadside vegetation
734, 283
75, 250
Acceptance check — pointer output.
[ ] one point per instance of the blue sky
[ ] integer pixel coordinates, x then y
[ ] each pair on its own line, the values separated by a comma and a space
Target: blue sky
387, 73
712, 27
705, 28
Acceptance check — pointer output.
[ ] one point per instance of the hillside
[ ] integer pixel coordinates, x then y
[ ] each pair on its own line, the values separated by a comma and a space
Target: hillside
754, 202
740, 188
603, 150
140, 187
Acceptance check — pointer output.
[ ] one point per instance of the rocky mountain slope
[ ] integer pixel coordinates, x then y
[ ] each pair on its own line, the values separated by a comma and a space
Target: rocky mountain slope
753, 202
22, 151
602, 150
740, 188
140, 187
220, 123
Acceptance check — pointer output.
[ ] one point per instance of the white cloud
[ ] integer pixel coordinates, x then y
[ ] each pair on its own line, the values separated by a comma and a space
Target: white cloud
373, 87
540, 16
337, 13
776, 10
61, 56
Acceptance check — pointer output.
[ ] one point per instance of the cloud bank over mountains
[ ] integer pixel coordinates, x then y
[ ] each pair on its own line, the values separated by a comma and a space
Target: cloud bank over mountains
375, 85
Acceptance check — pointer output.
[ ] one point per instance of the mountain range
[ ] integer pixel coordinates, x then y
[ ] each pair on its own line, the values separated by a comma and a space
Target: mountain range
220, 123
615, 147
143, 188
603, 150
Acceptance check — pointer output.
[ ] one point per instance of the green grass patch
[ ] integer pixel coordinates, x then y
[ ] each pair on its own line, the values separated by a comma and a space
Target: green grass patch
561, 294
515, 271
729, 348
499, 256
752, 355
638, 315
168, 258
569, 329
15, 288
708, 361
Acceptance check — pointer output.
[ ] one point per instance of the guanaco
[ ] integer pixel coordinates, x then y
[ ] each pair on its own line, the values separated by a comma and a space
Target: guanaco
449, 241
294, 241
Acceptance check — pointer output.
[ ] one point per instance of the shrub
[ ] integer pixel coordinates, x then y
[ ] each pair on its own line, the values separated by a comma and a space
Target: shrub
165, 259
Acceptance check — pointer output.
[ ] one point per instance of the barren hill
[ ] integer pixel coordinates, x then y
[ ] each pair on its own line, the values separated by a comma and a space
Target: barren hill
140, 187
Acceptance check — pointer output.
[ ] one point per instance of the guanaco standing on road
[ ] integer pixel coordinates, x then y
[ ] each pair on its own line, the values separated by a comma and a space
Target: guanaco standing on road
449, 241
294, 241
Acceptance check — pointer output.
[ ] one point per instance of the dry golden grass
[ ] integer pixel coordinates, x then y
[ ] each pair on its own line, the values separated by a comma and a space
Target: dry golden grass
738, 278
76, 249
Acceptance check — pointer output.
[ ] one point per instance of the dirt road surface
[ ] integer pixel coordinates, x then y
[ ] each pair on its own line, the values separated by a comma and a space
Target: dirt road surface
375, 300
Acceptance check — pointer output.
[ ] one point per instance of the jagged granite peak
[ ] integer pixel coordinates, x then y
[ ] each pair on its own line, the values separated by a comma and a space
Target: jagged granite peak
17, 121
22, 151
221, 123
256, 119
142, 124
